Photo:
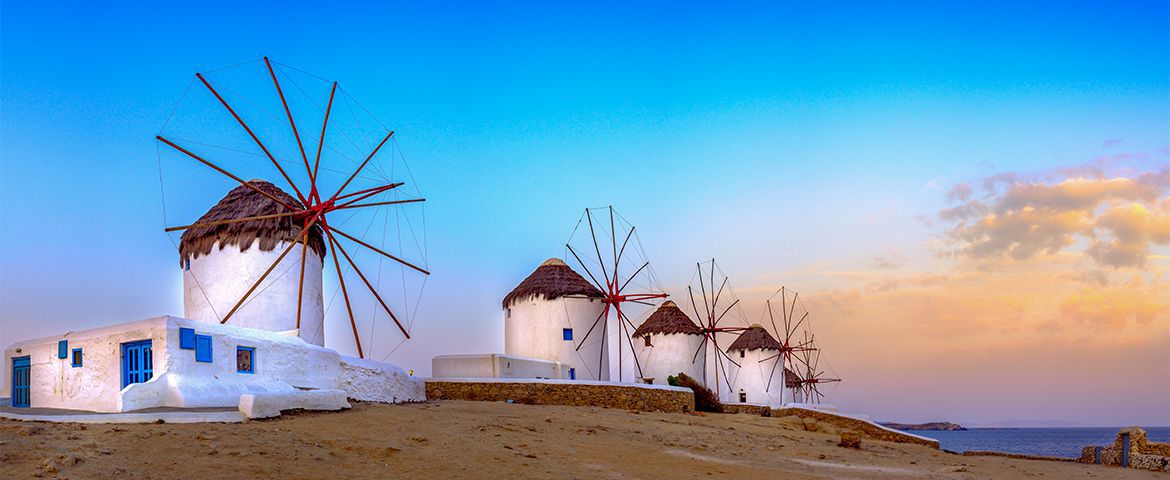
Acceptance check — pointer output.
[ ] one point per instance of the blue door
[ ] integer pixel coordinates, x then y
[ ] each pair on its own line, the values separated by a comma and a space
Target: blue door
137, 364
20, 381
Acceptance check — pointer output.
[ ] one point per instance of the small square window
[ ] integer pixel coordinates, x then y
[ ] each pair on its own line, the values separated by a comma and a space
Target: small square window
742, 397
187, 338
77, 357
647, 338
567, 333
245, 359
741, 353
63, 349
203, 348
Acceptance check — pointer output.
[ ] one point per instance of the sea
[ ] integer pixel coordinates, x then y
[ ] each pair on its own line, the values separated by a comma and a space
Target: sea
1053, 442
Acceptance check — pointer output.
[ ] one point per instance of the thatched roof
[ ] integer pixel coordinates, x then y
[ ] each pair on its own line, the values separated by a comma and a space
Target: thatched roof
551, 280
755, 337
791, 379
668, 318
244, 202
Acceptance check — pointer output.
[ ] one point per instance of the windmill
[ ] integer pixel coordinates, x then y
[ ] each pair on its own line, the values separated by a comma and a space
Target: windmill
614, 260
813, 375
785, 304
340, 163
712, 308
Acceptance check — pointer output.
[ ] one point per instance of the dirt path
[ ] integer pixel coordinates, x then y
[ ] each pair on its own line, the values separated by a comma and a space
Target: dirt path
489, 440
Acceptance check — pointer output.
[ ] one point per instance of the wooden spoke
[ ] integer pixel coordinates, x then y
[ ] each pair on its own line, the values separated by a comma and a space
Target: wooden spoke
266, 273
725, 311
586, 267
597, 248
376, 249
773, 374
321, 141
636, 272
301, 285
630, 337
616, 259
379, 204
225, 172
288, 112
363, 165
604, 312
254, 137
233, 220
345, 293
707, 308
368, 285
374, 190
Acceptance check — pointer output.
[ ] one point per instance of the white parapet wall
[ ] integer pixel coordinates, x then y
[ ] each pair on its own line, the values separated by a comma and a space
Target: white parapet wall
494, 365
208, 375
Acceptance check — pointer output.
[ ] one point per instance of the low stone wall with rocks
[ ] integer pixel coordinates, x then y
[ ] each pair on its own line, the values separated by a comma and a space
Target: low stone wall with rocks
748, 408
1143, 453
866, 428
646, 398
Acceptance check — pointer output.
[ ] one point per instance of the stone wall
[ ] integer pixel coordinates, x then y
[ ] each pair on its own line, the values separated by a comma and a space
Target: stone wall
864, 427
748, 408
1143, 453
647, 398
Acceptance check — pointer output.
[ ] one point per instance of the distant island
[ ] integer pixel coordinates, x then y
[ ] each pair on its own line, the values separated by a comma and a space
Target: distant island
924, 426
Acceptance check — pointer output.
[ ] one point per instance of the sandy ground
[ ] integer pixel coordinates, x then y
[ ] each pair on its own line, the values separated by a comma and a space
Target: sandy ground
450, 439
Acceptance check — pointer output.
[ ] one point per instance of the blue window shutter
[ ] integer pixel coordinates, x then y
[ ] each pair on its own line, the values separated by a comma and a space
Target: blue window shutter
572, 373
203, 348
63, 349
77, 357
568, 333
187, 338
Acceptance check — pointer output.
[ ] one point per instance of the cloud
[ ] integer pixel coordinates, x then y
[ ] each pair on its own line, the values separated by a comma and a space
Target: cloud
889, 261
1118, 217
1112, 142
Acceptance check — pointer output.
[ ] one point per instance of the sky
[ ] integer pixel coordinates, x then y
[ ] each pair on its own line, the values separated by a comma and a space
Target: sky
973, 199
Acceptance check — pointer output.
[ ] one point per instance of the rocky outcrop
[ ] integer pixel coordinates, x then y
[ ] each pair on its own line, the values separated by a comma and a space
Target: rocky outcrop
910, 427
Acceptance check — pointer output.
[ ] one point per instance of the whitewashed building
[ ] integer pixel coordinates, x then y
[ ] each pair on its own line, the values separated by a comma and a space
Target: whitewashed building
199, 362
758, 379
548, 315
667, 343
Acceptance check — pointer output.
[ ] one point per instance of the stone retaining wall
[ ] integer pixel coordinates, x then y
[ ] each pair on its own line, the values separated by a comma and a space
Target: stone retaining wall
866, 428
644, 398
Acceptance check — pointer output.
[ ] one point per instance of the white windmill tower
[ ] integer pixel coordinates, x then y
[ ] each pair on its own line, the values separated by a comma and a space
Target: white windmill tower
539, 316
666, 343
222, 260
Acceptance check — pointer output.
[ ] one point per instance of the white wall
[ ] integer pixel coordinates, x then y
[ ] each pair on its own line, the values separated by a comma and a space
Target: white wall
54, 383
752, 378
533, 327
216, 281
493, 365
669, 355
282, 364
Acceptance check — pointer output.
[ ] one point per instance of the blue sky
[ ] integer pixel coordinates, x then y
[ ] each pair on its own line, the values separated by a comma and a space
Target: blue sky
780, 138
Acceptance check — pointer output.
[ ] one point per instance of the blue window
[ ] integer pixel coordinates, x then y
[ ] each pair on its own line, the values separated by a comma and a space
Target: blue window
245, 359
63, 349
203, 348
20, 381
187, 338
572, 373
137, 362
567, 333
76, 357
